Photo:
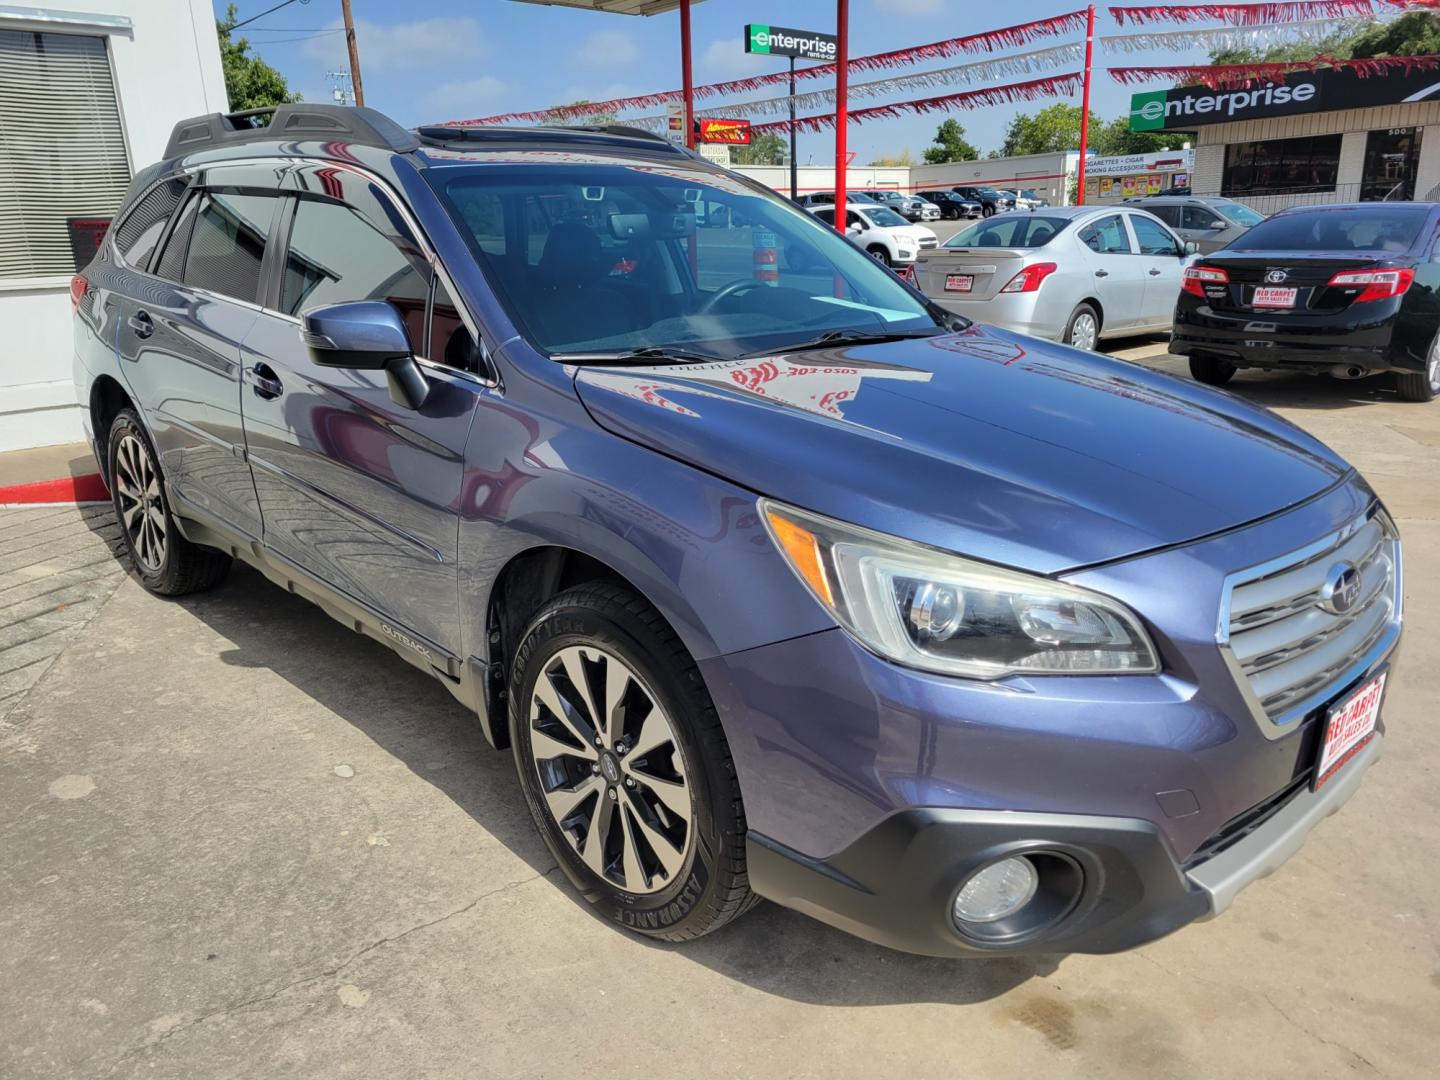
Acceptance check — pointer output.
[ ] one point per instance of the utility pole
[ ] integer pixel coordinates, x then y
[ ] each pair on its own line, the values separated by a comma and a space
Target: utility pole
793, 173
354, 53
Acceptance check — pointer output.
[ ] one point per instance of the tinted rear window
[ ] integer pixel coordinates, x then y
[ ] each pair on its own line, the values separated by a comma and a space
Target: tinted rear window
1007, 231
1364, 228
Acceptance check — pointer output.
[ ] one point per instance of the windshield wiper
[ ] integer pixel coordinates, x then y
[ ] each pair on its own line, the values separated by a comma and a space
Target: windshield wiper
647, 356
847, 337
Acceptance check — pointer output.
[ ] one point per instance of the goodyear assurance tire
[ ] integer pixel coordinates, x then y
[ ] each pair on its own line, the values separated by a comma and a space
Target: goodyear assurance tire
624, 766
165, 561
1211, 370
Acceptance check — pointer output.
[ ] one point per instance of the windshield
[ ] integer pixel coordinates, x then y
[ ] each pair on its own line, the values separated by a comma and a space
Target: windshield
604, 257
1350, 228
1009, 231
1239, 214
882, 216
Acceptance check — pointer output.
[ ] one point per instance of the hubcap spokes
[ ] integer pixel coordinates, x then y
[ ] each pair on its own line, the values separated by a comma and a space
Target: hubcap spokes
1083, 336
610, 769
142, 513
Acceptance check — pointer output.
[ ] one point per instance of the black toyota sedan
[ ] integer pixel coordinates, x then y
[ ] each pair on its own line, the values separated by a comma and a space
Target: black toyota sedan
1346, 290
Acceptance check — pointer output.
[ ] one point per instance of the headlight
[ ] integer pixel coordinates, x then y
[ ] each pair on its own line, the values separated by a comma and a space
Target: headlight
940, 612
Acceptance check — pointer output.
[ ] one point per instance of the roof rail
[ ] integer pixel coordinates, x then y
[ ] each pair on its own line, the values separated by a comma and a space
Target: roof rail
332, 123
440, 134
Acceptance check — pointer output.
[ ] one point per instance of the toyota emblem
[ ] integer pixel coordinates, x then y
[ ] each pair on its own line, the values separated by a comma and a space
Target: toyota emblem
1275, 277
1341, 590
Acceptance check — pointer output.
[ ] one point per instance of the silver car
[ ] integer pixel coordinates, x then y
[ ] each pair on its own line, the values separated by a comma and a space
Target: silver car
1073, 274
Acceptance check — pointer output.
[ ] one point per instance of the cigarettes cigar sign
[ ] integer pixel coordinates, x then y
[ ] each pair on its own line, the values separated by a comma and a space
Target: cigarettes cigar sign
730, 132
782, 41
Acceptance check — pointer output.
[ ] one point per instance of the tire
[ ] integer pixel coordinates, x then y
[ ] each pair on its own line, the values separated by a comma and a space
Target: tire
880, 254
1422, 385
987, 211
689, 877
1083, 329
1211, 370
166, 563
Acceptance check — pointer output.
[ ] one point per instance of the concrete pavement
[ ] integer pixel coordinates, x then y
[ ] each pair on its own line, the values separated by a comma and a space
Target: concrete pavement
240, 841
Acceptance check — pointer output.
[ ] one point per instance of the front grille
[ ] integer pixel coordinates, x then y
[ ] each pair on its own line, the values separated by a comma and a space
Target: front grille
928, 242
1290, 650
1241, 826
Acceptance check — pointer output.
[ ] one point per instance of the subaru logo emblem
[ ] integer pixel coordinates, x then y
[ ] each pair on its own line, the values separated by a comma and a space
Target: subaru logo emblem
1275, 277
1341, 590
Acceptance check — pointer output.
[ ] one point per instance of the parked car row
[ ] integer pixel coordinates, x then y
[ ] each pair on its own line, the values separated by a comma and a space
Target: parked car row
882, 232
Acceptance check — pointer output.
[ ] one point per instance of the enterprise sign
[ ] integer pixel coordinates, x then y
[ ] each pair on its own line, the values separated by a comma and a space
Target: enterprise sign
1328, 90
782, 41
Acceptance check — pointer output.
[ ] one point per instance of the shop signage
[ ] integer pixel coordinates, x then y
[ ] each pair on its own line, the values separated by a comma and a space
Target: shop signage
675, 124
1328, 90
729, 132
86, 236
1121, 164
782, 41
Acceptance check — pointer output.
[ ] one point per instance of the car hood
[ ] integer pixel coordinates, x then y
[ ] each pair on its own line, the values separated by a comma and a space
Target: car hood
982, 442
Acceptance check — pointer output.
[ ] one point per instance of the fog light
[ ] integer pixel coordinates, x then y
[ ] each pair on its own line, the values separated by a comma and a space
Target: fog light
1001, 889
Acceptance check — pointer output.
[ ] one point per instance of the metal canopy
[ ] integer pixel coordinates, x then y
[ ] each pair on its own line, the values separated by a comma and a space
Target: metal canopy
613, 7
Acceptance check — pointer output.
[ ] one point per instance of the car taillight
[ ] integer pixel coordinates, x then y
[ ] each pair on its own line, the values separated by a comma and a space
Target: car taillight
1373, 284
78, 288
1197, 277
1029, 279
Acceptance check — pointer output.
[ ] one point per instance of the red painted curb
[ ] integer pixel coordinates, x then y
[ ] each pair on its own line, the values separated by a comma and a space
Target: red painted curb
70, 489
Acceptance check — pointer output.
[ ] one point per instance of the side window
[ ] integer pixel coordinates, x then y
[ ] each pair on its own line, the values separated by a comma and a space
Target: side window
1153, 238
827, 216
450, 341
1168, 214
1107, 236
227, 244
1197, 217
337, 255
137, 236
172, 259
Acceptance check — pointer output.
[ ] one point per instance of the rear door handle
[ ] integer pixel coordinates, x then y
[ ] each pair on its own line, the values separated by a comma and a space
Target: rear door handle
141, 323
1102, 273
266, 383
1154, 272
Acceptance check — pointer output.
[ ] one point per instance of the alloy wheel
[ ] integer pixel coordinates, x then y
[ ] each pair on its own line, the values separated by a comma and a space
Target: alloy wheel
1083, 331
142, 511
610, 769
1432, 372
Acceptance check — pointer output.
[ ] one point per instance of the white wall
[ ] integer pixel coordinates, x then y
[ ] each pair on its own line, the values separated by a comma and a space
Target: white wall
167, 67
822, 178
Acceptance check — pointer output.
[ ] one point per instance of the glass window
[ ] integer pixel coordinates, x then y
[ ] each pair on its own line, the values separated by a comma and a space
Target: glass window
337, 255
1152, 237
618, 257
1239, 213
227, 244
1382, 227
1019, 231
1197, 217
450, 341
64, 166
138, 234
1392, 159
882, 217
1282, 166
1166, 212
1107, 236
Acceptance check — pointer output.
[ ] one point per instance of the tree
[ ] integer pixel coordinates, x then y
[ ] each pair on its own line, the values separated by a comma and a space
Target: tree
1415, 34
903, 159
763, 150
1117, 138
1052, 129
597, 119
250, 82
950, 145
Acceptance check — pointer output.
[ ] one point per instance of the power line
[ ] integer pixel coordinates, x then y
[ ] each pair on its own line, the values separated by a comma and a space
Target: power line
267, 11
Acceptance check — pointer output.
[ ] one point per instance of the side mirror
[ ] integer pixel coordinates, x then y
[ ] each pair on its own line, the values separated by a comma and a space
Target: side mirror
367, 335
854, 230
1191, 247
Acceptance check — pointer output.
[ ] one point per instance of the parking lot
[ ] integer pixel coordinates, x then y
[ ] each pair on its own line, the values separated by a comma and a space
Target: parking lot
240, 840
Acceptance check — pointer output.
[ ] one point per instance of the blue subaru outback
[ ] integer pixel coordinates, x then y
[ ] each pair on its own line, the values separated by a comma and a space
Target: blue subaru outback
776, 579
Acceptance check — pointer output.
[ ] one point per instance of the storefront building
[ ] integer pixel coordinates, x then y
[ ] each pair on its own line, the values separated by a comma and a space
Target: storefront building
1317, 137
88, 94
1131, 176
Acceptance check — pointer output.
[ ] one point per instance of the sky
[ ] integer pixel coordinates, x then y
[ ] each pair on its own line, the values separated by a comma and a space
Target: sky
425, 61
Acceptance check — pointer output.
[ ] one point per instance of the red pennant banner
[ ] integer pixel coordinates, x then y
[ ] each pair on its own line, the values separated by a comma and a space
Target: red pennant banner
1262, 14
1052, 86
1218, 76
987, 42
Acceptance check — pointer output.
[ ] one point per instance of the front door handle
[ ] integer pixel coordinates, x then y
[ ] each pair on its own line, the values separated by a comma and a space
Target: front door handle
1102, 273
267, 384
141, 323
1154, 272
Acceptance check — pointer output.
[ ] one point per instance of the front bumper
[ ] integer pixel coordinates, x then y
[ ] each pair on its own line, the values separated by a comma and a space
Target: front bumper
895, 885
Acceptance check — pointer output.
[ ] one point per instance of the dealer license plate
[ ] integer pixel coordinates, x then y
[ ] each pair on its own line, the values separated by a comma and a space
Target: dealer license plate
1349, 726
959, 282
1273, 298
